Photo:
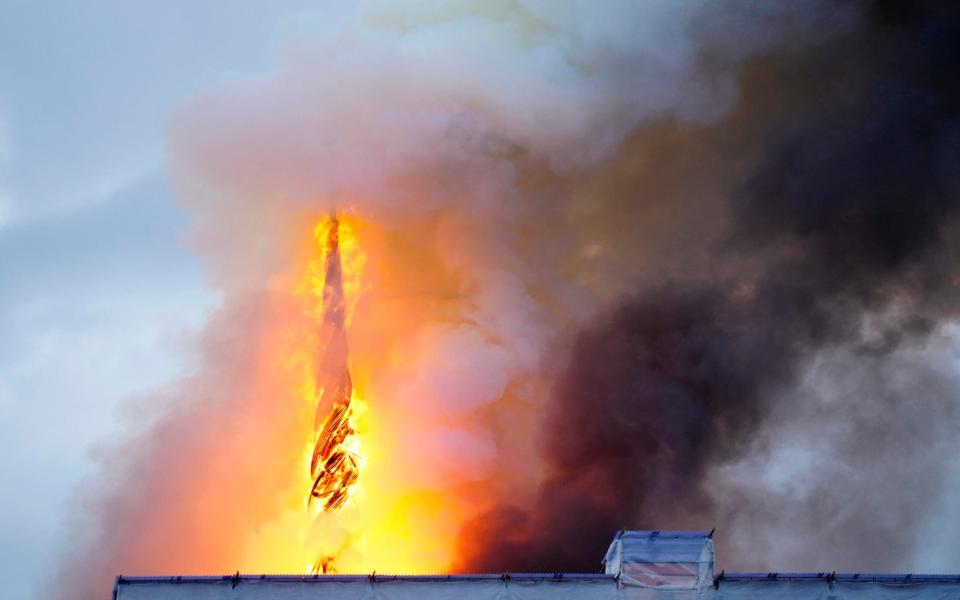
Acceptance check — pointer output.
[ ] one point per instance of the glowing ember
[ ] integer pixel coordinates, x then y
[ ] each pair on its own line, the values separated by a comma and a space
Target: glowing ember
334, 465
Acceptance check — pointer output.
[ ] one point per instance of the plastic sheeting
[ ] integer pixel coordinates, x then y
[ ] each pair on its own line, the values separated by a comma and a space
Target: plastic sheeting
536, 587
666, 560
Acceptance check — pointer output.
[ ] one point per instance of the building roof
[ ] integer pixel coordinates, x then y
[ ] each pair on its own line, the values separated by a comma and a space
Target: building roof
639, 565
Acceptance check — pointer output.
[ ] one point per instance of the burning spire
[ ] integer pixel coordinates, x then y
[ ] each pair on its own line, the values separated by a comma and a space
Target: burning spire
334, 465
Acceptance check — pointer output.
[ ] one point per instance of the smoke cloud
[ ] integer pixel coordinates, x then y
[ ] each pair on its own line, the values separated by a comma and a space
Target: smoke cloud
644, 265
836, 267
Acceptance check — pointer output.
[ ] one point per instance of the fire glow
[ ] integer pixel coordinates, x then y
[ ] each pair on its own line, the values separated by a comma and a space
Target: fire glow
336, 457
361, 513
334, 465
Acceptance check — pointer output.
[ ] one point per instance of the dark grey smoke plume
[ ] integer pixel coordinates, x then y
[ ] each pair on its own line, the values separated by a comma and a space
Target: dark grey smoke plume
832, 280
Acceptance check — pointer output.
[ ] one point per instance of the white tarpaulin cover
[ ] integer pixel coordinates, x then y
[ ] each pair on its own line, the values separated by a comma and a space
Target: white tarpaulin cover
666, 560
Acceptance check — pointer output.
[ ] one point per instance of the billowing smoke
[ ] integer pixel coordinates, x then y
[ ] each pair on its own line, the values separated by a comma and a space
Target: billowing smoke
836, 269
654, 265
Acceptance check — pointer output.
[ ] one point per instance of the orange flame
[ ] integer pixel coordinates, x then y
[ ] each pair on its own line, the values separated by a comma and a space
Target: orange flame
334, 465
369, 464
335, 461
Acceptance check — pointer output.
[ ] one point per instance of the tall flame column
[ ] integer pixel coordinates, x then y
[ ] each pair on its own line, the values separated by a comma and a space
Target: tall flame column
333, 467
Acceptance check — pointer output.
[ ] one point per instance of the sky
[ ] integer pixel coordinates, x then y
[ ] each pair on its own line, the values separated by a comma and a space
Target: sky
585, 229
99, 294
